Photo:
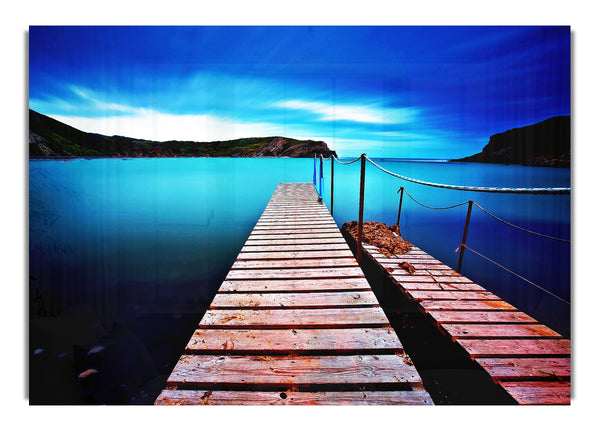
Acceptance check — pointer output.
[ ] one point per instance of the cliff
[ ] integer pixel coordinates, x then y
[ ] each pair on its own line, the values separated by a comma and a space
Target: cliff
49, 138
547, 143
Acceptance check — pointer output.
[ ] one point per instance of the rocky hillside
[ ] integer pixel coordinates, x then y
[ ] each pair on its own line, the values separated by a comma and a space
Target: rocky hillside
49, 138
547, 143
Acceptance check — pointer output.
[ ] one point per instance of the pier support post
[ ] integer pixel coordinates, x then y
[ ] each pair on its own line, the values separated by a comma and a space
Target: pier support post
361, 207
400, 208
332, 163
464, 238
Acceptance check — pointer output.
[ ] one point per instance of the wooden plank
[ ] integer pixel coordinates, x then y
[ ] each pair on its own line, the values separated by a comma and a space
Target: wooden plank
279, 224
413, 278
297, 372
263, 398
481, 317
294, 241
338, 245
412, 261
527, 368
442, 272
254, 274
499, 331
452, 280
294, 300
295, 318
295, 211
454, 295
464, 287
337, 262
533, 393
431, 266
397, 259
516, 347
273, 237
294, 341
294, 232
311, 285
320, 254
295, 216
430, 305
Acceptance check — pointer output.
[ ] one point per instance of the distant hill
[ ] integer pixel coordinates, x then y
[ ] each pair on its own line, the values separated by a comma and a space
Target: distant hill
547, 143
49, 138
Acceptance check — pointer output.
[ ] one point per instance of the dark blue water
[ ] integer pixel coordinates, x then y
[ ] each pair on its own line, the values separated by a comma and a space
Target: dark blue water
150, 237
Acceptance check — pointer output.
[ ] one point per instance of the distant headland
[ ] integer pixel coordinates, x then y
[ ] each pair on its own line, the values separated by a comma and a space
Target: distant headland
547, 143
49, 138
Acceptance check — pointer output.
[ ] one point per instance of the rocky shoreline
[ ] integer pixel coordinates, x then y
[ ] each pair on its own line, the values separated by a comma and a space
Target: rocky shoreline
547, 144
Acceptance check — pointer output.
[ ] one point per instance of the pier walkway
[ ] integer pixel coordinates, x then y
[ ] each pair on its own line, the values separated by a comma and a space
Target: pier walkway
529, 360
294, 322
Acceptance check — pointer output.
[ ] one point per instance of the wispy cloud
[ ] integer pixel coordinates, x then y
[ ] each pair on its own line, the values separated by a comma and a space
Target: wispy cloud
100, 105
357, 113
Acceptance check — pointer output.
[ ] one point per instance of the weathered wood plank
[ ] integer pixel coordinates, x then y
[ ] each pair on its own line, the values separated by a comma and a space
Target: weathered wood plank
338, 245
294, 236
421, 286
404, 278
451, 279
297, 372
295, 318
203, 397
526, 368
504, 347
294, 241
294, 341
481, 317
413, 260
293, 300
430, 305
292, 216
294, 224
535, 393
295, 263
499, 331
310, 285
295, 211
462, 287
280, 255
254, 274
454, 295
294, 232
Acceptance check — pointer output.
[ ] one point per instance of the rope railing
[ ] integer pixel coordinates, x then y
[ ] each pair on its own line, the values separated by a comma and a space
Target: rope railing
488, 213
515, 274
520, 228
429, 207
533, 190
345, 163
462, 246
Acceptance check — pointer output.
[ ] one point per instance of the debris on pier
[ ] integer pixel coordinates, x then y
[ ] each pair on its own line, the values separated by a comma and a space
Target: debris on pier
386, 238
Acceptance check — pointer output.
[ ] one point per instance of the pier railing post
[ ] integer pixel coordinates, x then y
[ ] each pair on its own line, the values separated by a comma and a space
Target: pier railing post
321, 176
361, 207
332, 163
464, 238
400, 208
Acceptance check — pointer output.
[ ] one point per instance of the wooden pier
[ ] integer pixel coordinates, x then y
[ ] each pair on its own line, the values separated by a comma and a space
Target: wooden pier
529, 360
294, 322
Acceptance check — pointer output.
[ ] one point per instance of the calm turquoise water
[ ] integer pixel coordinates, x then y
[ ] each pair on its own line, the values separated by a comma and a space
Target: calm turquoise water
149, 236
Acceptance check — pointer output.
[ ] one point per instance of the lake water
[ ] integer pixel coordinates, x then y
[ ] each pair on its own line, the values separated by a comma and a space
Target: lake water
143, 238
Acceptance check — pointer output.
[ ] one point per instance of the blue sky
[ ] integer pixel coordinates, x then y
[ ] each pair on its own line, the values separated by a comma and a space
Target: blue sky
422, 92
